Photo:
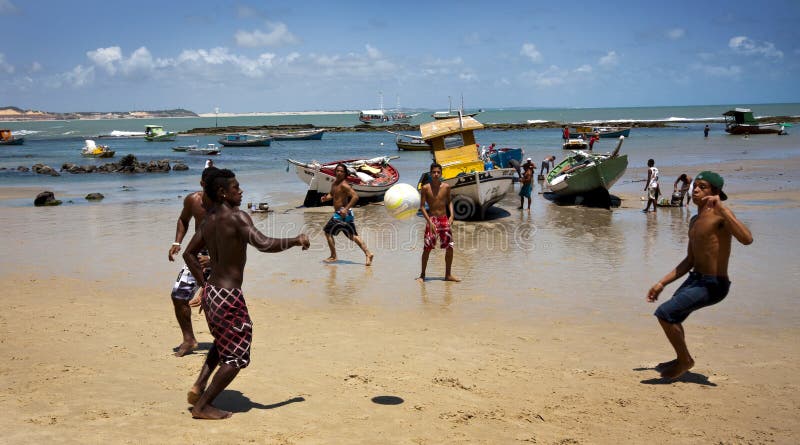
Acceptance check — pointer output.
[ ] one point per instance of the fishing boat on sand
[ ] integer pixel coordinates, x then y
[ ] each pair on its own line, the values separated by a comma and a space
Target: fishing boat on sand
7, 138
369, 178
92, 150
741, 121
314, 134
473, 188
156, 133
245, 140
584, 172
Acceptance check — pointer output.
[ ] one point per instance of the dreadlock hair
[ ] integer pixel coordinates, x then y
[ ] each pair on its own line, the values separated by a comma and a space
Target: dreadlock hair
216, 179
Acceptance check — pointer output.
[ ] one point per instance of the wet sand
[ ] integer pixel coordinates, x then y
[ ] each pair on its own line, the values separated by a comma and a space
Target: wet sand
547, 340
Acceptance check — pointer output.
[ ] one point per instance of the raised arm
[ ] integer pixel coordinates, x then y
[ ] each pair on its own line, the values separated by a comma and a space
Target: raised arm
737, 228
181, 227
263, 243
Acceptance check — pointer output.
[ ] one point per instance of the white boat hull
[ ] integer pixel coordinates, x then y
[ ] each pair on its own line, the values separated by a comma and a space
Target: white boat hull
322, 182
475, 192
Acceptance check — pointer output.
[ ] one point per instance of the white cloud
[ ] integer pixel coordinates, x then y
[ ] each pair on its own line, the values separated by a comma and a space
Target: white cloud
6, 7
35, 67
373, 53
550, 77
467, 76
278, 35
106, 58
78, 77
747, 46
610, 59
201, 59
584, 69
529, 50
732, 71
5, 66
676, 33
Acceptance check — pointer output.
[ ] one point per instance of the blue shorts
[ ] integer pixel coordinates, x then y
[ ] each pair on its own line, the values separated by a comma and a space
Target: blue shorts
698, 291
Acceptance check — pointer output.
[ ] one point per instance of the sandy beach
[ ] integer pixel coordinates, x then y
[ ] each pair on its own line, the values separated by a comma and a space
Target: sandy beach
547, 340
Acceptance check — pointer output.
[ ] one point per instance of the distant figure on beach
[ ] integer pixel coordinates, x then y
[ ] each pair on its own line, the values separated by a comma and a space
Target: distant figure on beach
565, 133
436, 194
547, 163
209, 163
706, 261
528, 164
651, 186
706, 130
526, 185
592, 140
344, 198
194, 206
225, 232
685, 183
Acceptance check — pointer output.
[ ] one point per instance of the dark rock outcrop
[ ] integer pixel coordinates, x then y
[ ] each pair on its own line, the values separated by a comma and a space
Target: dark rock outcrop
94, 196
46, 198
44, 170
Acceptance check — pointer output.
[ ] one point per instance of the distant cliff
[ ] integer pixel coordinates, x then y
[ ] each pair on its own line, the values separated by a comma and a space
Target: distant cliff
11, 113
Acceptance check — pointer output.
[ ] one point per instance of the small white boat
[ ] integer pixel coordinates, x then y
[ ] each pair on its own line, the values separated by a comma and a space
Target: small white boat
575, 144
369, 178
210, 149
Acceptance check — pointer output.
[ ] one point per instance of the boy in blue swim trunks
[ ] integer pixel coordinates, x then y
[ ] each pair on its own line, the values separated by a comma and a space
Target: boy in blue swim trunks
342, 221
710, 233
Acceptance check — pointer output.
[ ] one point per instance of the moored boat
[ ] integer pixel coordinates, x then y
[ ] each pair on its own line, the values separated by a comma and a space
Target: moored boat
369, 178
7, 138
313, 134
741, 121
245, 140
92, 150
183, 147
209, 149
584, 172
612, 132
575, 144
409, 142
473, 188
156, 133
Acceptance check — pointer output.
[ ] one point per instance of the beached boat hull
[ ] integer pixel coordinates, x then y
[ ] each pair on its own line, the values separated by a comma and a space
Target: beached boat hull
473, 193
412, 145
754, 129
302, 135
612, 132
320, 177
589, 172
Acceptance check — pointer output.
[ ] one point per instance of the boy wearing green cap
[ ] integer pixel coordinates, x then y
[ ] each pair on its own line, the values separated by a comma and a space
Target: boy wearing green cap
710, 233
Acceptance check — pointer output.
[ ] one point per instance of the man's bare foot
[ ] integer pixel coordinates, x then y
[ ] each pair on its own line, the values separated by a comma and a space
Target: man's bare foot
185, 348
210, 412
193, 396
330, 259
664, 365
677, 369
452, 278
370, 256
421, 279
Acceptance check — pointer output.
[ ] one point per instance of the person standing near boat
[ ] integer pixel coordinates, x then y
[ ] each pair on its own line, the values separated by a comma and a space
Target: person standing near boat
194, 206
526, 185
565, 133
344, 198
710, 233
651, 187
592, 140
547, 163
436, 194
225, 232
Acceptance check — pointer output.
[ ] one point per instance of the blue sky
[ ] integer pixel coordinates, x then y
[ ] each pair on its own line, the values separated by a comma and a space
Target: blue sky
249, 56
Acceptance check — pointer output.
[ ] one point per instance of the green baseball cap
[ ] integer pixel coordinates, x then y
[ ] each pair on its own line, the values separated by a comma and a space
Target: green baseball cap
715, 180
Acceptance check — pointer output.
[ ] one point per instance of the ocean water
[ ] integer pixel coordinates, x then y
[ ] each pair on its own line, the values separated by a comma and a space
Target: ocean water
263, 170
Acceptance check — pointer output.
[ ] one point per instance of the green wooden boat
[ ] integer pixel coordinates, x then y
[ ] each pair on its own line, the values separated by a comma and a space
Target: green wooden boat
584, 172
156, 133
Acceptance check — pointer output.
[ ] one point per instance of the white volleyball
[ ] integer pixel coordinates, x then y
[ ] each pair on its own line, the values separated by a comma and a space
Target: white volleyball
401, 201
